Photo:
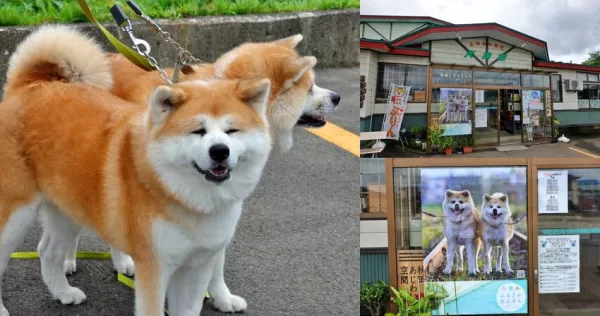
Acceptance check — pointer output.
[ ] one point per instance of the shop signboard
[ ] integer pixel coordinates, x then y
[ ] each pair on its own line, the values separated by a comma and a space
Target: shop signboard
410, 271
394, 111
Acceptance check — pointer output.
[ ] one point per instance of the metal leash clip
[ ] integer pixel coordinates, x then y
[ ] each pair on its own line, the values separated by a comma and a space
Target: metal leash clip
140, 45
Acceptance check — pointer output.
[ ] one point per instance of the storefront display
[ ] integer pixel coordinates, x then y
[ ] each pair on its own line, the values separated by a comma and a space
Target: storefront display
456, 111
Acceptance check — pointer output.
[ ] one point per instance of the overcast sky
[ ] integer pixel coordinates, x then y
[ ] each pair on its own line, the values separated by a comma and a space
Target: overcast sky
570, 27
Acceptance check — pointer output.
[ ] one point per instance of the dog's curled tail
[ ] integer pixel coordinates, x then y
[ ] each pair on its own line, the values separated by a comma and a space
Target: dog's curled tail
58, 53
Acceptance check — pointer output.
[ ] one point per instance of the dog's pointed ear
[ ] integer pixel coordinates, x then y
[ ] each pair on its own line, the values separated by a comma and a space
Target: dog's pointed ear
163, 101
504, 198
255, 92
466, 193
291, 41
449, 193
302, 65
486, 197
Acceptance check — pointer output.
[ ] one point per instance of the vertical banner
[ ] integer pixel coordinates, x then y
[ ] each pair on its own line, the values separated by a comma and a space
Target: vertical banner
559, 264
553, 191
394, 111
410, 271
475, 243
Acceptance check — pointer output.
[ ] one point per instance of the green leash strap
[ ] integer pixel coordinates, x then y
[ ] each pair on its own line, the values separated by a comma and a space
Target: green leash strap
125, 50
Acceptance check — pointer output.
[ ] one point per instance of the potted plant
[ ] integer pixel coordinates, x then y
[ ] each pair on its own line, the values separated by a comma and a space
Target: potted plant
427, 302
468, 145
374, 297
555, 129
417, 131
446, 144
435, 135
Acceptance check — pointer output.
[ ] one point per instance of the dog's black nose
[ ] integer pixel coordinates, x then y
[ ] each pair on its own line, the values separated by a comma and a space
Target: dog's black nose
335, 98
218, 152
495, 211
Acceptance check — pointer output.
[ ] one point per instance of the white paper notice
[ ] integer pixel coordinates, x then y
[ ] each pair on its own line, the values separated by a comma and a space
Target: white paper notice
479, 96
553, 192
481, 118
559, 264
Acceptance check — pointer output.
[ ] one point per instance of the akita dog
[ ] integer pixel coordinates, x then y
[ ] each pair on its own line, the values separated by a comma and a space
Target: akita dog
498, 230
164, 183
295, 100
462, 228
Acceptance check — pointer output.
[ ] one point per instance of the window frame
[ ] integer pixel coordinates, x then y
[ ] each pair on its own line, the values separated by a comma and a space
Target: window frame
559, 88
379, 78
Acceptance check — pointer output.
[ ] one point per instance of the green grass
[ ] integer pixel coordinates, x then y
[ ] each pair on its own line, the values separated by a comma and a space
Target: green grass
16, 12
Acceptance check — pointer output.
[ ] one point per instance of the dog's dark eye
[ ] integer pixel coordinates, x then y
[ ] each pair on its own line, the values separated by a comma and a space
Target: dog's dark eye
461, 202
200, 132
453, 201
231, 131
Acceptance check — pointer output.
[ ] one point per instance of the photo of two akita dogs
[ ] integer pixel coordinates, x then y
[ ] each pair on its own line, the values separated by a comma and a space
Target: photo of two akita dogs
466, 227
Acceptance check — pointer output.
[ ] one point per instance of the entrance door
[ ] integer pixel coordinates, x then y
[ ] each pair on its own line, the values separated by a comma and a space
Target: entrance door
486, 117
509, 130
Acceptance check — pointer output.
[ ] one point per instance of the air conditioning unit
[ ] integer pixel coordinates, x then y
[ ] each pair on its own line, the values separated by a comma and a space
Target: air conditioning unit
575, 85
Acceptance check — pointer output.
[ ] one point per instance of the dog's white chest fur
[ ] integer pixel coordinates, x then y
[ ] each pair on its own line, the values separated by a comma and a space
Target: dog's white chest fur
495, 235
459, 231
195, 236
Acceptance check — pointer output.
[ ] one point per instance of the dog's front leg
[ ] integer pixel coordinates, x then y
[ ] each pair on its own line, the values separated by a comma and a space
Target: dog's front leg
459, 258
487, 257
221, 297
505, 258
471, 260
151, 280
450, 257
498, 255
188, 287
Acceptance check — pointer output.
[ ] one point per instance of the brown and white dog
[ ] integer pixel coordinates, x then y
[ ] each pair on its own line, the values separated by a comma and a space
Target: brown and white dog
295, 99
163, 182
462, 229
498, 230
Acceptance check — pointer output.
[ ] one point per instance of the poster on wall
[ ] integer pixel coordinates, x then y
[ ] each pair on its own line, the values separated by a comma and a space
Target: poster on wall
394, 111
481, 117
456, 111
559, 264
553, 191
461, 208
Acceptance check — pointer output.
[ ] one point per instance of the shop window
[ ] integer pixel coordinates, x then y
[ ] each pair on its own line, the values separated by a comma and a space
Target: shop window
557, 94
427, 200
372, 186
492, 78
587, 77
568, 208
452, 77
589, 98
407, 75
537, 122
538, 81
452, 110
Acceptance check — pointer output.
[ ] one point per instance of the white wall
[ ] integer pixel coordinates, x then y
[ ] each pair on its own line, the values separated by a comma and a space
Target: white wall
373, 234
450, 52
569, 97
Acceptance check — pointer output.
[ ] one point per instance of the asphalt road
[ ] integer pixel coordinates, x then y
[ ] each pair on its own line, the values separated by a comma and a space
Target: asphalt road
296, 251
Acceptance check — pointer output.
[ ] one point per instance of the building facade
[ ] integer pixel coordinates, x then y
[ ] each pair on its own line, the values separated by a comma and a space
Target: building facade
486, 82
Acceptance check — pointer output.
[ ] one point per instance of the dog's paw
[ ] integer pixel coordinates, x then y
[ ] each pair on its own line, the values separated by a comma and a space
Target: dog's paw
70, 266
508, 270
487, 270
72, 295
230, 304
447, 271
124, 265
460, 269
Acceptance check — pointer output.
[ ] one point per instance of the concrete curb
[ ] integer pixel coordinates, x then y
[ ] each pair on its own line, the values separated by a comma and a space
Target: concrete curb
331, 36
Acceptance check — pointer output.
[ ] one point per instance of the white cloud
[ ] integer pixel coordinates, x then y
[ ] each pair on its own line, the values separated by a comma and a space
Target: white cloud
570, 27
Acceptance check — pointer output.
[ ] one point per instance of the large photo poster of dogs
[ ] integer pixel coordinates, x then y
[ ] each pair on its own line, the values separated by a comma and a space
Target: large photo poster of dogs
456, 111
474, 230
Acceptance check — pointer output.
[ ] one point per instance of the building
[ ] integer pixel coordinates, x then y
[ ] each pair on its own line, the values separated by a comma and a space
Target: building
486, 81
402, 232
